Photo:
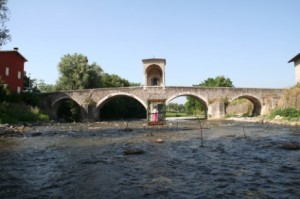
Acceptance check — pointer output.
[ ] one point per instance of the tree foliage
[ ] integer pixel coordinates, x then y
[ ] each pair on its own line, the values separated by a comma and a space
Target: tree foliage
109, 81
4, 32
193, 106
219, 81
175, 107
76, 73
113, 80
44, 87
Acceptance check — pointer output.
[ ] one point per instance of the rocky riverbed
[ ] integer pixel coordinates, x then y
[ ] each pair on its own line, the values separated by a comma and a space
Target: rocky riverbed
183, 159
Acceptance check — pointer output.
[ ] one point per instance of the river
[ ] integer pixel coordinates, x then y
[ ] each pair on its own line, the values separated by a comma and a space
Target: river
87, 160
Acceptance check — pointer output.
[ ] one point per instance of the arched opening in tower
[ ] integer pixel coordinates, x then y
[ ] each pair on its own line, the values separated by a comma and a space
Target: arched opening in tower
154, 75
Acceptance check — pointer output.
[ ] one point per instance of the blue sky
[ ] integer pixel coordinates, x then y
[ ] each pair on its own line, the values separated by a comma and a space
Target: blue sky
249, 42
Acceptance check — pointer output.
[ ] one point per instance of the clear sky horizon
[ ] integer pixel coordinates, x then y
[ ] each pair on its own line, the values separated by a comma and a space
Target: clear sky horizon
249, 42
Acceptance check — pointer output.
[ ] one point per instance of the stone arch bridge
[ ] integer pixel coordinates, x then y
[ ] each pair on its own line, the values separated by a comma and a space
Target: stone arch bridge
214, 99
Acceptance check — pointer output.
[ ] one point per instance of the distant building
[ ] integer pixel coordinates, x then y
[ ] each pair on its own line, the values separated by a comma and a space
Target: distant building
12, 69
296, 61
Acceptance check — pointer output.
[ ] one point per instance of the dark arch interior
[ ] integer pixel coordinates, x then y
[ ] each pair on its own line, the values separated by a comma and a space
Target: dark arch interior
67, 110
122, 107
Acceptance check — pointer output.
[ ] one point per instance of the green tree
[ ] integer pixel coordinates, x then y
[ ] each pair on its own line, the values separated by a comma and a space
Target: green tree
172, 107
76, 73
4, 32
30, 85
219, 81
43, 87
94, 73
113, 81
193, 106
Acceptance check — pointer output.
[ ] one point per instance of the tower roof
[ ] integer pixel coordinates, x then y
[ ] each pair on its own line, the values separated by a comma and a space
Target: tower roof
295, 58
154, 60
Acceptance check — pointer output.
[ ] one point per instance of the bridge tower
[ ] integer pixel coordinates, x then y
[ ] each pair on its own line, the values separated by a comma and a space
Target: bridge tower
296, 61
154, 72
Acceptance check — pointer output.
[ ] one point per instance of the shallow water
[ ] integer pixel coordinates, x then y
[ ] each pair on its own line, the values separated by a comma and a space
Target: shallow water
232, 160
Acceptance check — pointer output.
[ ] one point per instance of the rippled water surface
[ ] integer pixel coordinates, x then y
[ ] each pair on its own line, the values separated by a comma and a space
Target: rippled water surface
233, 160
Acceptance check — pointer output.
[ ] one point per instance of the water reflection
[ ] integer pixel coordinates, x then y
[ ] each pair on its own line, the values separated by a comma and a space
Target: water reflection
237, 160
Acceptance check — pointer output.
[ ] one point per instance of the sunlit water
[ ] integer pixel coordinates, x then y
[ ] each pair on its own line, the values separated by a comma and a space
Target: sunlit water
233, 160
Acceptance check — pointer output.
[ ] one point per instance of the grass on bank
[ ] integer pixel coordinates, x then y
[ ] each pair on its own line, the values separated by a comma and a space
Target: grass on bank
13, 113
288, 114
182, 114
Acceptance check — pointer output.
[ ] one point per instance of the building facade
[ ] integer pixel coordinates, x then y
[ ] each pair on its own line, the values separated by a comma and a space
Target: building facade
296, 61
12, 69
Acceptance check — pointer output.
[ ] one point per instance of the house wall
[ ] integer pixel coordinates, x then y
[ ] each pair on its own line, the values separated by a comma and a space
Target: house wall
15, 62
297, 71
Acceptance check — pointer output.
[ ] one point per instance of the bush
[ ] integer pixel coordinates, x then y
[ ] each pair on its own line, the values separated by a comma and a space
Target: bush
15, 113
287, 113
30, 98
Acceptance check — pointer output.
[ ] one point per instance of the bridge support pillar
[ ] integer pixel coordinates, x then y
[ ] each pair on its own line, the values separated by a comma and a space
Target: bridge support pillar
87, 113
216, 110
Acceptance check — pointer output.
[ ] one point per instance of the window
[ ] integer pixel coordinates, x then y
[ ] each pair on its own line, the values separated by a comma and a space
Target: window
19, 74
19, 89
7, 71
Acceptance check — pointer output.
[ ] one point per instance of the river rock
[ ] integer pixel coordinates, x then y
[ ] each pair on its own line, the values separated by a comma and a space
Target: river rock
127, 130
291, 146
278, 117
160, 141
133, 151
9, 129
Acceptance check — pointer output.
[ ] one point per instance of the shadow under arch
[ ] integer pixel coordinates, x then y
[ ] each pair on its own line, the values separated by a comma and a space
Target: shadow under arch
107, 98
58, 102
194, 95
257, 104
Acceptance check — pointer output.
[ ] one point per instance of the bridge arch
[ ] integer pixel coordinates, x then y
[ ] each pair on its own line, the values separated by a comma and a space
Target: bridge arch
195, 95
190, 94
257, 103
105, 99
57, 102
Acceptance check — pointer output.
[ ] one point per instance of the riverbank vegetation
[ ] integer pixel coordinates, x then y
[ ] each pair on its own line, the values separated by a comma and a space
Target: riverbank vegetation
16, 108
288, 106
286, 114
